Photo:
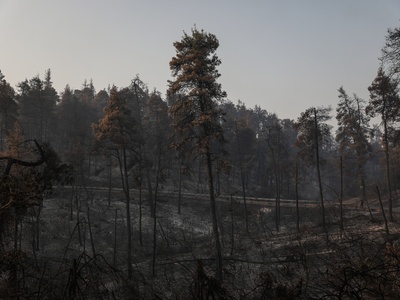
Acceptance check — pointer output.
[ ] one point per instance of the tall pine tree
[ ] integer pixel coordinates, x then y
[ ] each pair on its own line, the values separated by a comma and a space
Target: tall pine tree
384, 102
196, 114
313, 133
353, 133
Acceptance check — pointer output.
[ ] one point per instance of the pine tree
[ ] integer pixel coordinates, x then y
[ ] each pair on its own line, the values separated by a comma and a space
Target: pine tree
313, 133
8, 109
353, 133
196, 114
385, 102
37, 100
391, 52
116, 134
74, 133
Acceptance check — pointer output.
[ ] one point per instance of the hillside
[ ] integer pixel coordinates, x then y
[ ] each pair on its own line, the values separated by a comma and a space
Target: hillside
85, 257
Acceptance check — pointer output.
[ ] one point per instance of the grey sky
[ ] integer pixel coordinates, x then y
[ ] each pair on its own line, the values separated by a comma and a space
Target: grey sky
284, 56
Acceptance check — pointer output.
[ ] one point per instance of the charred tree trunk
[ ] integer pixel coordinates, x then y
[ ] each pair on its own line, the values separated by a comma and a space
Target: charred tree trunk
217, 244
180, 186
232, 228
125, 185
242, 178
321, 194
128, 216
115, 240
155, 215
140, 214
389, 186
38, 227
277, 189
297, 199
143, 154
383, 211
90, 232
341, 196
109, 181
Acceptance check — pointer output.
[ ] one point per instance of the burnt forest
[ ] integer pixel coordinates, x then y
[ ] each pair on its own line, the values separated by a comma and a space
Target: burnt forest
125, 193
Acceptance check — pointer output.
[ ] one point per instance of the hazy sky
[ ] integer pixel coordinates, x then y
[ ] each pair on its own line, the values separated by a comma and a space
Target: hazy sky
284, 56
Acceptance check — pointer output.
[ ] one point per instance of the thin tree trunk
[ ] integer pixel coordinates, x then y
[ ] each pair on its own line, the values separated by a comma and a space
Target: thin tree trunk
242, 178
383, 211
16, 232
297, 199
199, 178
232, 228
218, 187
109, 181
217, 244
128, 214
78, 224
180, 186
148, 178
140, 213
155, 215
149, 185
362, 185
21, 229
389, 186
38, 227
115, 240
90, 232
341, 196
140, 200
73, 188
319, 170
277, 188
34, 255
125, 186
363, 189
2, 136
